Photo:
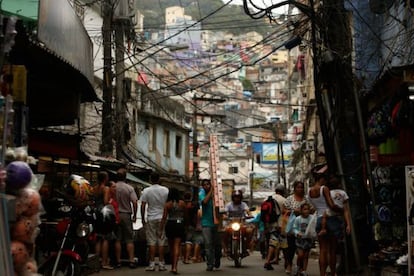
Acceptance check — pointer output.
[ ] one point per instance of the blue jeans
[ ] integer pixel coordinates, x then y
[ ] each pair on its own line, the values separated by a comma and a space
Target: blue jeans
212, 245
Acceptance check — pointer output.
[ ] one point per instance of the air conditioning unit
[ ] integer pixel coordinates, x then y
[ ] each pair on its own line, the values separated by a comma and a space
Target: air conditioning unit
124, 9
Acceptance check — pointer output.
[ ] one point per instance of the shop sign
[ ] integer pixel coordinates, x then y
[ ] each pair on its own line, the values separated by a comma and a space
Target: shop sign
18, 79
408, 76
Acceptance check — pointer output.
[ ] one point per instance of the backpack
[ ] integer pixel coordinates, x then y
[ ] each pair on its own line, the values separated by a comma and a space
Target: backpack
269, 210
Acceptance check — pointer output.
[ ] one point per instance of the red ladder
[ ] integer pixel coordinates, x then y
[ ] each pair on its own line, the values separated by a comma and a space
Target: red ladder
216, 177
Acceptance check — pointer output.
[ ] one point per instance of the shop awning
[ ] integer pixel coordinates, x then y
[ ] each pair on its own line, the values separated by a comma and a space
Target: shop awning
135, 179
58, 61
54, 144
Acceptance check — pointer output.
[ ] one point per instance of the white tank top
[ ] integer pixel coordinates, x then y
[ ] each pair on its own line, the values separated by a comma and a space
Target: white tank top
319, 202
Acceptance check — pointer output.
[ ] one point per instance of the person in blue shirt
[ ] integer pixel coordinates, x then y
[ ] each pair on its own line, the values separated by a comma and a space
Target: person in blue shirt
260, 226
212, 241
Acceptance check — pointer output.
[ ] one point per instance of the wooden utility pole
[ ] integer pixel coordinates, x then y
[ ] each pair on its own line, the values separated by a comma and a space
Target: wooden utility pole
107, 122
336, 86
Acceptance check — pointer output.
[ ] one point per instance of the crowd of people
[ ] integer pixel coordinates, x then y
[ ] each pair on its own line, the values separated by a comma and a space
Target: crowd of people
171, 222
324, 201
187, 225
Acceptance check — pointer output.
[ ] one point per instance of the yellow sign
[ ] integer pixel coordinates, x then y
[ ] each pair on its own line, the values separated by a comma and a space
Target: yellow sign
408, 76
19, 81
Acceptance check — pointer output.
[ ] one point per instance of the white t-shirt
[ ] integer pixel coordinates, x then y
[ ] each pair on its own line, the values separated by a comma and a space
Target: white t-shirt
155, 197
339, 198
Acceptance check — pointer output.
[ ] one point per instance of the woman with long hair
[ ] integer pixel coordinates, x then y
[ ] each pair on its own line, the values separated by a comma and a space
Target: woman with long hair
173, 219
320, 197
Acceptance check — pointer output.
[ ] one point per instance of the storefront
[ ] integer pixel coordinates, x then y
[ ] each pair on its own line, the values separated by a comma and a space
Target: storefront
47, 71
390, 133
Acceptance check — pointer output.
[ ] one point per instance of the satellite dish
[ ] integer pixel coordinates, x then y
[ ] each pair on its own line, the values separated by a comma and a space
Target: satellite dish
380, 6
242, 164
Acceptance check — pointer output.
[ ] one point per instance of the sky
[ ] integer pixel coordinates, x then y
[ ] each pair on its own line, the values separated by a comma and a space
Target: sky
261, 4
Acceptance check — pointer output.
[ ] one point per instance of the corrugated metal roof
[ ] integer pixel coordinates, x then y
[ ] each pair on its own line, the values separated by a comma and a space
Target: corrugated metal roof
135, 179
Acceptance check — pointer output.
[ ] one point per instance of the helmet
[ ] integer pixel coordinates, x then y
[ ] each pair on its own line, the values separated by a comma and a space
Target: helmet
79, 187
106, 219
19, 175
236, 193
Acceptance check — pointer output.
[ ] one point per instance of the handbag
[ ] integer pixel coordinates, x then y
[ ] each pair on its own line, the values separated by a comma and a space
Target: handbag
291, 222
310, 231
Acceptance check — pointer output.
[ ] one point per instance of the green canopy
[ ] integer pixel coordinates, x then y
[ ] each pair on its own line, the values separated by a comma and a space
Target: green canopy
24, 9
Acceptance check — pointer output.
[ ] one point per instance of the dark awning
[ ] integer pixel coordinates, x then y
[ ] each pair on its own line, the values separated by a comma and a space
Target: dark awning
55, 88
54, 144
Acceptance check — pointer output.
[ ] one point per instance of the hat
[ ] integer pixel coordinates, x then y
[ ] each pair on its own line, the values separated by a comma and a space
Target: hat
280, 188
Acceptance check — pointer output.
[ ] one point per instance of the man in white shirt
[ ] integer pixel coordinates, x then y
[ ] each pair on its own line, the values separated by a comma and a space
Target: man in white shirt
153, 198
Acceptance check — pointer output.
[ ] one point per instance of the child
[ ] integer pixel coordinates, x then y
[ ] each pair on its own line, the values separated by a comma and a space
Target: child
303, 243
340, 199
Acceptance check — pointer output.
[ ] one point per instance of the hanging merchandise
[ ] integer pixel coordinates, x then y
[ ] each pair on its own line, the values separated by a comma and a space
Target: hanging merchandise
381, 175
409, 183
379, 124
24, 227
403, 114
384, 214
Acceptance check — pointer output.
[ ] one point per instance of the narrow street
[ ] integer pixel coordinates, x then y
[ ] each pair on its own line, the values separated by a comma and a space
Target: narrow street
251, 265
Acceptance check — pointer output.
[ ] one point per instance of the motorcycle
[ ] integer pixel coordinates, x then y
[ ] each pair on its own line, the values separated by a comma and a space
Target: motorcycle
72, 257
238, 240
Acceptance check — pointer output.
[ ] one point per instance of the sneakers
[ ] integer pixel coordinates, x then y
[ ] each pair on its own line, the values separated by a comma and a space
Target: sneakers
162, 267
209, 268
268, 266
107, 267
402, 260
151, 267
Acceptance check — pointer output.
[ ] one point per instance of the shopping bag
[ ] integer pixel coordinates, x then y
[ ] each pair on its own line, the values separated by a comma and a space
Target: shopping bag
291, 221
283, 222
310, 231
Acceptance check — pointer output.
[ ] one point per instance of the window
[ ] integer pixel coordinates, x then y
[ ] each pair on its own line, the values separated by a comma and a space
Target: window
152, 137
233, 169
178, 145
166, 142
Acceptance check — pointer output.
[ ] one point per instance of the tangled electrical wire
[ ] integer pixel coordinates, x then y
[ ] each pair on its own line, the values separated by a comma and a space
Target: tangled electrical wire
256, 12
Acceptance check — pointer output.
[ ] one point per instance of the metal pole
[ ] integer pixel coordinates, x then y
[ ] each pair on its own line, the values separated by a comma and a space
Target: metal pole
251, 177
195, 142
316, 80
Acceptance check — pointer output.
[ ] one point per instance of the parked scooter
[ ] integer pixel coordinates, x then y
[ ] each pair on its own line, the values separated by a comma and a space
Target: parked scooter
72, 257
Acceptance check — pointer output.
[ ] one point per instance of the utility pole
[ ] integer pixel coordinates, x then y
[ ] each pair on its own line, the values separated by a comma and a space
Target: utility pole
107, 122
119, 80
195, 142
336, 86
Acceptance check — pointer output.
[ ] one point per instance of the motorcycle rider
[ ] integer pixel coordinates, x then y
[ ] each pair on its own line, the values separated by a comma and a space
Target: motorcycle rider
240, 210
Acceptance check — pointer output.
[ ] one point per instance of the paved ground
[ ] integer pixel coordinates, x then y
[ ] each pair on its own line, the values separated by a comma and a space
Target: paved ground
251, 265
